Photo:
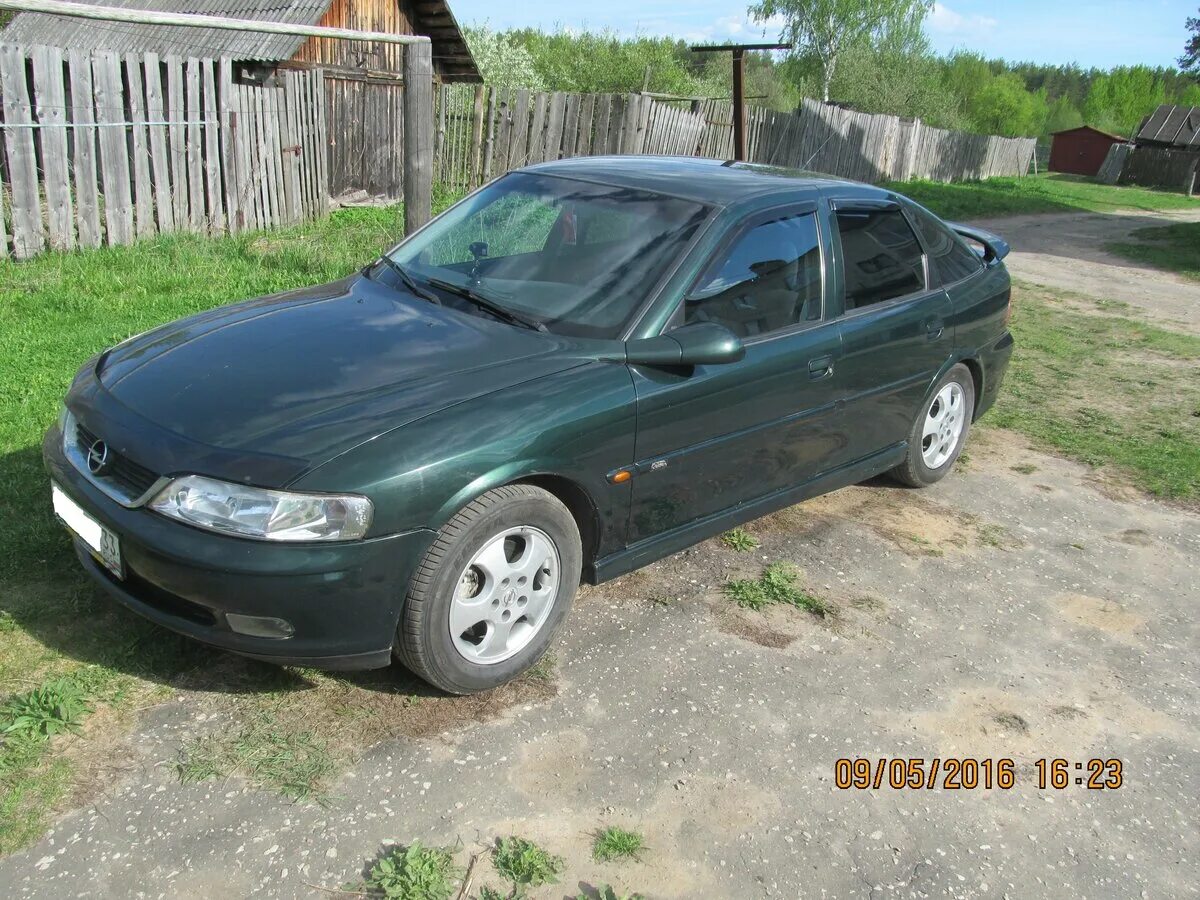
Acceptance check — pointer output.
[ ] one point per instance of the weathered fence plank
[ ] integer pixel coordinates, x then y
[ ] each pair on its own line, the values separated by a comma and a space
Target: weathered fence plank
195, 157
156, 112
212, 149
177, 115
87, 190
114, 152
143, 195
28, 239
52, 117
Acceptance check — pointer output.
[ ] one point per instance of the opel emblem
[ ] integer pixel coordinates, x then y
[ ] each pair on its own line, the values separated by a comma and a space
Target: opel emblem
97, 458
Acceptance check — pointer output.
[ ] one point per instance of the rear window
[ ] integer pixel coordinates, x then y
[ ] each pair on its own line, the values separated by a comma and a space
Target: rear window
950, 258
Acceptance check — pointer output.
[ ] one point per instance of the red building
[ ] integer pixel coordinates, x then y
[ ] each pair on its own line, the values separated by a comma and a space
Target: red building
1080, 151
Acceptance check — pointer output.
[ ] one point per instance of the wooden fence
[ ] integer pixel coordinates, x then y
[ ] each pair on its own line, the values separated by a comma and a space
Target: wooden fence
483, 132
103, 149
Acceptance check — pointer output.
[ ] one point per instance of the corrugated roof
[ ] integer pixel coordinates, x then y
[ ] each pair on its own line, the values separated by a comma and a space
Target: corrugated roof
62, 31
433, 18
1107, 134
1172, 126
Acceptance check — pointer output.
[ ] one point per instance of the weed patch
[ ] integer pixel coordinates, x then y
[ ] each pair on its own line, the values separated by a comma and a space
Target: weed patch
525, 864
414, 873
1175, 248
617, 843
739, 539
777, 585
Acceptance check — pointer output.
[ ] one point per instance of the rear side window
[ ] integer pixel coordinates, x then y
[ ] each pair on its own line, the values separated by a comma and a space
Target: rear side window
767, 280
880, 256
950, 258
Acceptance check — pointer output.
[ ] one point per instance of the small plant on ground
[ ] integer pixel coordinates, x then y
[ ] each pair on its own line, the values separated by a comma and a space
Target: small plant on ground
292, 763
489, 893
775, 586
608, 892
617, 843
1025, 469
525, 864
414, 873
739, 539
54, 708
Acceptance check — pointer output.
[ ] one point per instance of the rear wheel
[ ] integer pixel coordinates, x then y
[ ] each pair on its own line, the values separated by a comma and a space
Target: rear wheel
940, 430
492, 590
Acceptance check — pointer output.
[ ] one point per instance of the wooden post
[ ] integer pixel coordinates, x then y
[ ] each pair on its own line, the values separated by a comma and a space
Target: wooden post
739, 105
418, 136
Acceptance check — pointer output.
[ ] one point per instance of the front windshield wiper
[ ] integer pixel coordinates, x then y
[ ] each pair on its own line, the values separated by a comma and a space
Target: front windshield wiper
513, 318
409, 281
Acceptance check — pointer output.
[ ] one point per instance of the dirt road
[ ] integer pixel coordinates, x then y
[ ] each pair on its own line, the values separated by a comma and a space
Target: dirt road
1019, 609
1066, 251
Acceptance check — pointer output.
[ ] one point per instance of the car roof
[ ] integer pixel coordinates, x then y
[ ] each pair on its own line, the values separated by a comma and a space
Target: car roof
706, 180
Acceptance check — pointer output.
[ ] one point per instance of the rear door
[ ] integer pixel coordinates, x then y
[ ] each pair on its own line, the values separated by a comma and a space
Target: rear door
894, 325
714, 437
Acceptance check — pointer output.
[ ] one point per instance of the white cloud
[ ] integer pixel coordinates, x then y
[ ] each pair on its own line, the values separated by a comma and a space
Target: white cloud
735, 27
944, 20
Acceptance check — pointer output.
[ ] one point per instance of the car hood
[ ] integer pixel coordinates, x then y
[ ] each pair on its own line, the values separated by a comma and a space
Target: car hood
309, 374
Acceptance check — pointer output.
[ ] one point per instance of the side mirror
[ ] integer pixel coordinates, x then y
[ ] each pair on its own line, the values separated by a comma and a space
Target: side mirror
705, 343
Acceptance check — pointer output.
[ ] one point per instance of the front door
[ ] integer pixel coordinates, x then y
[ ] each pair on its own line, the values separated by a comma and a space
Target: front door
711, 438
895, 327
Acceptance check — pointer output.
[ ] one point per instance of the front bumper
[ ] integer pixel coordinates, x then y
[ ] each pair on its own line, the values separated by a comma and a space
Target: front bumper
342, 600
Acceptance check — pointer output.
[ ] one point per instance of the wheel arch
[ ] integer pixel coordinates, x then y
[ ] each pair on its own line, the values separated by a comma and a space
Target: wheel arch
976, 369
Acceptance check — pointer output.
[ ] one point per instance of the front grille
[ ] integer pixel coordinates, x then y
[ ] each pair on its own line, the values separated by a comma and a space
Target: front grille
125, 477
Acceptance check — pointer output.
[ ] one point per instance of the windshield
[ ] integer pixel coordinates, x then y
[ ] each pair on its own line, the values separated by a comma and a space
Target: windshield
580, 258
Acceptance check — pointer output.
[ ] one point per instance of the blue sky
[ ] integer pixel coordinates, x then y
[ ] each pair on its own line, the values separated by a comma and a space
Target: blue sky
1116, 32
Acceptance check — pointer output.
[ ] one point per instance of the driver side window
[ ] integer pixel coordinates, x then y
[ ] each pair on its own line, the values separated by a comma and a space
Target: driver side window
767, 280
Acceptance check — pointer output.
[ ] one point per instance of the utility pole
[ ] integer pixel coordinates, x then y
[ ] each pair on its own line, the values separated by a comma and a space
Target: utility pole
739, 89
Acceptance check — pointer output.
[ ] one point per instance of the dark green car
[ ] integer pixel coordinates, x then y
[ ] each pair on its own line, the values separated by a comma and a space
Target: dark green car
580, 368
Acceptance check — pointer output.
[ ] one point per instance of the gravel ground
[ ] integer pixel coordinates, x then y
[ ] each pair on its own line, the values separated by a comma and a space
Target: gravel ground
1035, 617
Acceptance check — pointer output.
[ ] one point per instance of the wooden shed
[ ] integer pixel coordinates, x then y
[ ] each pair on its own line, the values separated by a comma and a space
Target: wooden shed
363, 80
1080, 151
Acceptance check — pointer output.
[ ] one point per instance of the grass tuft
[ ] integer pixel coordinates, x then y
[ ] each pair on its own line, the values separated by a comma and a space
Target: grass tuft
294, 764
54, 708
525, 864
608, 892
777, 585
414, 873
617, 843
739, 539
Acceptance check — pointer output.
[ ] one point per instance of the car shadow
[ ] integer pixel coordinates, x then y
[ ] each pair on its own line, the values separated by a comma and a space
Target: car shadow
46, 597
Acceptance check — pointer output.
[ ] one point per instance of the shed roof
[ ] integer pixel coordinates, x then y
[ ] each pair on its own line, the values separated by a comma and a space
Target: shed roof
1107, 134
1172, 126
431, 17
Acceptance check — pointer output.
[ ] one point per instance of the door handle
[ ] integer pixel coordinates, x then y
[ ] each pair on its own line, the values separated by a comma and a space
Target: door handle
934, 329
821, 367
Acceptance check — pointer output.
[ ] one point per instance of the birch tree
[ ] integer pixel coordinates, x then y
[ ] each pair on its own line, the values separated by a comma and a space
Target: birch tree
825, 29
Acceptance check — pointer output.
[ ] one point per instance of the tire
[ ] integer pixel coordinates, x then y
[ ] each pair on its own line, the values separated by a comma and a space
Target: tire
931, 456
485, 567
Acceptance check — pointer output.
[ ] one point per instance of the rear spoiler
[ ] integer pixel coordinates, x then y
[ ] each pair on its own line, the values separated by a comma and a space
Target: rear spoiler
995, 247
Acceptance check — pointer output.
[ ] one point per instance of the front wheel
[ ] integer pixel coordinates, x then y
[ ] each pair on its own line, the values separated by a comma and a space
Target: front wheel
940, 430
492, 590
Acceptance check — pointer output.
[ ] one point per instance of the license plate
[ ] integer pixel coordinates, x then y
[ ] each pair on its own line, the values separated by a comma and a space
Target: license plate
104, 545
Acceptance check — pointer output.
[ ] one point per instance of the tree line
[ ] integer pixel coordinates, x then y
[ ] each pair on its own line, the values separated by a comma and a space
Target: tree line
885, 67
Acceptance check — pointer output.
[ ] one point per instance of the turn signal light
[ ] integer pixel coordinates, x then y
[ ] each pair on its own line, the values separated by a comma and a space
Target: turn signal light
620, 477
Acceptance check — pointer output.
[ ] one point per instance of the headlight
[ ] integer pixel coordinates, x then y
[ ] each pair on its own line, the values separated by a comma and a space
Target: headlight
260, 513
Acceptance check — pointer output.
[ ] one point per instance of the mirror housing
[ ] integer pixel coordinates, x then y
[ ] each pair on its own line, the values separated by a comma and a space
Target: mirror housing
702, 344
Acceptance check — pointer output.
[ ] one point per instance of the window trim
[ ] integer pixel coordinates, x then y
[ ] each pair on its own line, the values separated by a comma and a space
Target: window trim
735, 233
876, 205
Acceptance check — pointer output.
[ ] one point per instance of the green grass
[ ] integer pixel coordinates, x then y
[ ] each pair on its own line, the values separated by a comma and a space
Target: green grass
525, 864
1035, 194
1175, 248
291, 762
55, 312
777, 585
414, 873
1106, 390
739, 539
617, 843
